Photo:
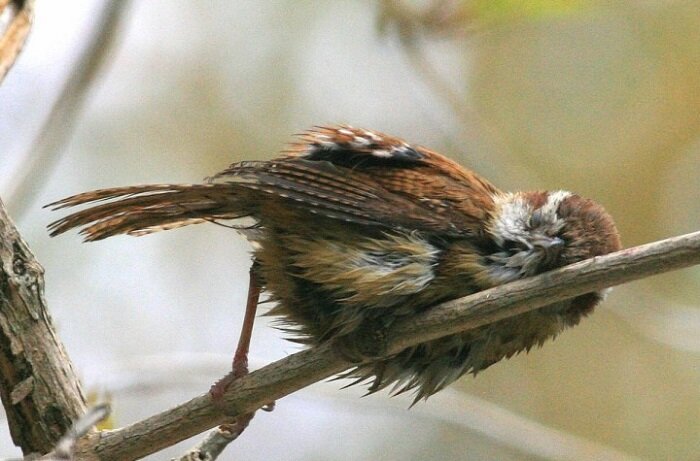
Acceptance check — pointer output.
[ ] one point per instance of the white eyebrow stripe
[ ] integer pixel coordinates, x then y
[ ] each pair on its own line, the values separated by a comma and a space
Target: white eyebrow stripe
553, 201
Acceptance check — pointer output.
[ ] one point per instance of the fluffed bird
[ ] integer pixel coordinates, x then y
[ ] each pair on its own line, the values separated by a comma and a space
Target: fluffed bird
355, 228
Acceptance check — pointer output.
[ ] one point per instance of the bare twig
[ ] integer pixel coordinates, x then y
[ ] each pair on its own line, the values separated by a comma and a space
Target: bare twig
38, 387
56, 130
304, 368
15, 23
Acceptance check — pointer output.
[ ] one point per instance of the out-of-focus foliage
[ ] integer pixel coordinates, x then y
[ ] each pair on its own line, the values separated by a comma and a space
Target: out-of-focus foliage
498, 11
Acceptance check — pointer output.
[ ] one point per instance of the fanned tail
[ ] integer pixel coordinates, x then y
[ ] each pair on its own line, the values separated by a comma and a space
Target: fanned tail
140, 210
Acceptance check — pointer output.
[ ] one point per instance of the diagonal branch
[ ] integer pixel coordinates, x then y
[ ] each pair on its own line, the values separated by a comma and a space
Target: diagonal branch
304, 368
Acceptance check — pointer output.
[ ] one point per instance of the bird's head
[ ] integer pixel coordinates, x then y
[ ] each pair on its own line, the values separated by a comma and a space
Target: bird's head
533, 232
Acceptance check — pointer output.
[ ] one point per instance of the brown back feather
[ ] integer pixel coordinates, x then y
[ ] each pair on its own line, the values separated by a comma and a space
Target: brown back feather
354, 175
367, 177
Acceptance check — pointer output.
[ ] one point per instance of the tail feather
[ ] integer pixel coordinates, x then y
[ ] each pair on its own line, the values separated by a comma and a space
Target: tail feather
139, 210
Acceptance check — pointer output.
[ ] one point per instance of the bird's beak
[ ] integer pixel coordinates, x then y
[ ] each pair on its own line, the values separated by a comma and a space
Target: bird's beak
551, 246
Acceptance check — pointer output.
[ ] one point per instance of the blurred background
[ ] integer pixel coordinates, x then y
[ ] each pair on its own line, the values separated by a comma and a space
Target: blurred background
597, 97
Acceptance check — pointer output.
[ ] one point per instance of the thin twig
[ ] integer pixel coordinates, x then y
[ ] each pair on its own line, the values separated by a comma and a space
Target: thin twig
47, 148
304, 368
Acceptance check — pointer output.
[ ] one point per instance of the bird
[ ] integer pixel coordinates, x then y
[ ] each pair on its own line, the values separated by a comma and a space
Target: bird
354, 230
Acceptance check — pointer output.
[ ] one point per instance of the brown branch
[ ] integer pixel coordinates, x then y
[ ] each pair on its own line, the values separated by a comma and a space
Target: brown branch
18, 15
38, 387
304, 368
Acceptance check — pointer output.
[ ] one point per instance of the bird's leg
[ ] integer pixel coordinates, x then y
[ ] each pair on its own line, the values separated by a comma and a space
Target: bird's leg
239, 367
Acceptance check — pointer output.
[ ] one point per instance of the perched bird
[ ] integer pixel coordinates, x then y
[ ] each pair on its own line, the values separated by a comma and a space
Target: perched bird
355, 228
